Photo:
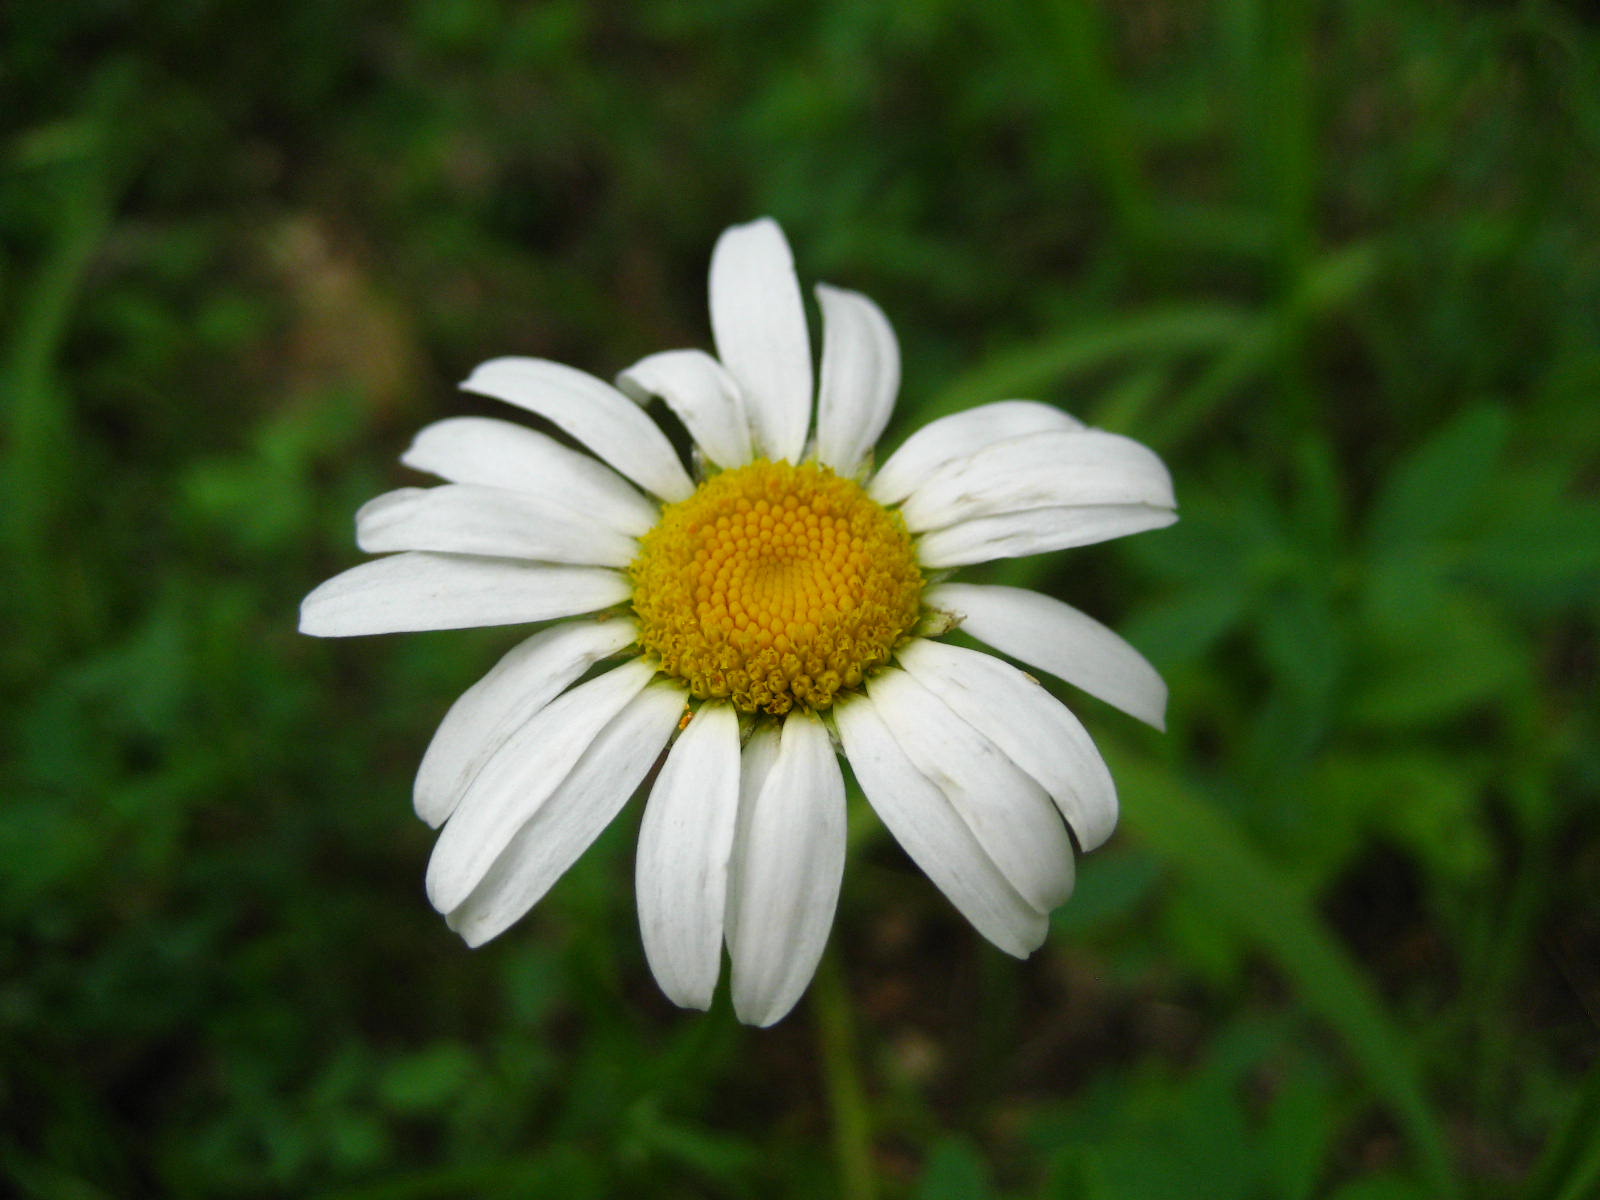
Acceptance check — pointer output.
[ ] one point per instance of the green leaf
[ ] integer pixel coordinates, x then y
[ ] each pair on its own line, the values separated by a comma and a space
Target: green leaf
1214, 541
1302, 642
1221, 1135
429, 1079
1551, 557
1432, 806
692, 1147
1248, 893
1432, 488
1300, 1126
1446, 656
1184, 628
1119, 883
954, 1171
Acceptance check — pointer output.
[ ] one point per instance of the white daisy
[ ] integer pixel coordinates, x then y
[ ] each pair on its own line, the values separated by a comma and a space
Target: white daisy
776, 607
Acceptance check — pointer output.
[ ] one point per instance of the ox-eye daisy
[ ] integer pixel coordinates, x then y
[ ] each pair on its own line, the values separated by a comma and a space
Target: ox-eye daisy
779, 605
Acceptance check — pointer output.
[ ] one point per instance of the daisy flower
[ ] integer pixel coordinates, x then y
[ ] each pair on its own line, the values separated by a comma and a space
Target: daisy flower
751, 616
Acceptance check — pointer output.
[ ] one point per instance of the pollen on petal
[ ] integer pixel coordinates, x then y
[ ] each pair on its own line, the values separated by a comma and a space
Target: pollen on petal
775, 585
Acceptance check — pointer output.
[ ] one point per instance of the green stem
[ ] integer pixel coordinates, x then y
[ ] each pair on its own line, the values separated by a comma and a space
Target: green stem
847, 1098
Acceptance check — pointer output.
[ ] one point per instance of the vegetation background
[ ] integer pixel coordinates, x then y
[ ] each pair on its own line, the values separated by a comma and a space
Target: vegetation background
1340, 264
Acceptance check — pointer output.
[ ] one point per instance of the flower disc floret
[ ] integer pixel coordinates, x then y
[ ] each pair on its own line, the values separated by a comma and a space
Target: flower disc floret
775, 585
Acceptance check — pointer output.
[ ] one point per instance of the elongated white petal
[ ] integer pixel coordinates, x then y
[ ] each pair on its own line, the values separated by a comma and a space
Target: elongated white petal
495, 453
788, 862
759, 322
535, 672
860, 378
1055, 637
563, 827
958, 435
1029, 725
685, 841
925, 823
415, 591
755, 763
1040, 470
1036, 531
702, 394
1006, 809
513, 784
467, 518
592, 411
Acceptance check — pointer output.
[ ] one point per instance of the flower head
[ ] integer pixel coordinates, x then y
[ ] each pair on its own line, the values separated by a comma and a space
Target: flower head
752, 615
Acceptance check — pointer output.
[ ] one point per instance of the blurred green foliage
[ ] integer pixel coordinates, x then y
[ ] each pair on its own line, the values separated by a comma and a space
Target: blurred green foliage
1337, 263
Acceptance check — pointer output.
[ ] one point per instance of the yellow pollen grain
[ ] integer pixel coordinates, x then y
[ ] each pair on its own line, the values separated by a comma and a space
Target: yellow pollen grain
775, 585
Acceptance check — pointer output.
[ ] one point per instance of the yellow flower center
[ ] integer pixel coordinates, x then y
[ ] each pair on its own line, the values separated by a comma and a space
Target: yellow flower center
775, 585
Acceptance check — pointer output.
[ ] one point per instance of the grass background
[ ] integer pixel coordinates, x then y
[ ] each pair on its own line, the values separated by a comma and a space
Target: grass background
1340, 264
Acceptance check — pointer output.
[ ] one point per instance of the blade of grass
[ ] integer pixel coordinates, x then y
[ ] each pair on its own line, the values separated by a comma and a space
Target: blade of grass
36, 424
847, 1098
1122, 406
1097, 110
1291, 152
1268, 65
1248, 893
1570, 1168
1042, 366
1329, 283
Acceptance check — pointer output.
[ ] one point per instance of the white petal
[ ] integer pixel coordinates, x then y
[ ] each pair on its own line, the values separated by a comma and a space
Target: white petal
467, 518
681, 873
925, 823
759, 321
592, 411
1029, 725
958, 435
535, 672
564, 826
495, 453
1007, 811
1040, 470
1036, 531
1055, 637
703, 395
788, 862
519, 778
860, 378
408, 592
